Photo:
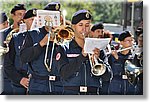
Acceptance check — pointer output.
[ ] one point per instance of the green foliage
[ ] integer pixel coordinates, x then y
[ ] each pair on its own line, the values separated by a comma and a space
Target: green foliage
108, 12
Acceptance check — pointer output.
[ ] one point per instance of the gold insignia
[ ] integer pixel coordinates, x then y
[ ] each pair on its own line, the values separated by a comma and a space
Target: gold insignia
57, 7
34, 12
87, 15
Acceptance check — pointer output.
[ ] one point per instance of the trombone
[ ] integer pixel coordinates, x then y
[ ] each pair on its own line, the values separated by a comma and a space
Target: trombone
59, 35
50, 25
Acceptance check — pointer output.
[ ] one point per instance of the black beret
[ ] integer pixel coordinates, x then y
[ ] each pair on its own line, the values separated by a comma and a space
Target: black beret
124, 35
97, 26
3, 17
30, 13
53, 6
18, 7
81, 15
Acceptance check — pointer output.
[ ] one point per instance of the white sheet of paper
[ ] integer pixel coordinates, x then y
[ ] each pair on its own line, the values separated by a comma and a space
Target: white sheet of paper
22, 27
53, 15
92, 43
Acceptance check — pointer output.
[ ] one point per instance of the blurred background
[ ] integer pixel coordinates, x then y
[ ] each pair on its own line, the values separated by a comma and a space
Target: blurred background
124, 14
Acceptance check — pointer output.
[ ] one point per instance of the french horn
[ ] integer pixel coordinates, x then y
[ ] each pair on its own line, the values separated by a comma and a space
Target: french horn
132, 71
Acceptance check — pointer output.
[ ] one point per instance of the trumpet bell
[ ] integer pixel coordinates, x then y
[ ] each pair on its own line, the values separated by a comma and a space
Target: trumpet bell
132, 71
98, 69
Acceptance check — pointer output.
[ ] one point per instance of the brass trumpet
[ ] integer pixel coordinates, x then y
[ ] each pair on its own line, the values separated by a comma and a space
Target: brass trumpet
97, 66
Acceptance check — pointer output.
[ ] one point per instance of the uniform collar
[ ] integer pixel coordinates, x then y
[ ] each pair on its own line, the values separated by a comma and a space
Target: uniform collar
74, 44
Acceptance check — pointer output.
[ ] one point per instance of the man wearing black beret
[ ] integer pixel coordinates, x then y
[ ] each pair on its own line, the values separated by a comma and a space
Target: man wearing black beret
119, 84
29, 17
17, 13
73, 62
45, 80
14, 68
3, 27
97, 30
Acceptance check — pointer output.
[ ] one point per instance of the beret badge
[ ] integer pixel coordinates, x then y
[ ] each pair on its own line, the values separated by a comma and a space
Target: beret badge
57, 7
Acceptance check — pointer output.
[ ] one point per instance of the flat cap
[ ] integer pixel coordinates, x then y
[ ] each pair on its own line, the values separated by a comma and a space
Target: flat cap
3, 17
53, 6
18, 7
30, 13
97, 26
81, 15
124, 35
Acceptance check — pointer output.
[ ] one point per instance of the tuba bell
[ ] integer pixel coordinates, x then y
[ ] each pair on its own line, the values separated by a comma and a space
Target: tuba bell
4, 50
10, 35
132, 71
97, 66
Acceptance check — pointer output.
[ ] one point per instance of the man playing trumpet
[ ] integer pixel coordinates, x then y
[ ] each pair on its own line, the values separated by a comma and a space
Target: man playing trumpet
74, 65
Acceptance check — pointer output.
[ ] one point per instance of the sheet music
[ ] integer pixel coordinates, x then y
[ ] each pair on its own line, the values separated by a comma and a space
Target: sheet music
53, 16
92, 43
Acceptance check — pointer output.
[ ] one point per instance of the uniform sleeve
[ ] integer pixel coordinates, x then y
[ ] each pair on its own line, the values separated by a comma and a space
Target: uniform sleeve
9, 64
108, 73
30, 51
67, 68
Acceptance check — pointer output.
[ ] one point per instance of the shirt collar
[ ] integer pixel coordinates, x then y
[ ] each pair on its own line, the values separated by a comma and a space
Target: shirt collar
74, 44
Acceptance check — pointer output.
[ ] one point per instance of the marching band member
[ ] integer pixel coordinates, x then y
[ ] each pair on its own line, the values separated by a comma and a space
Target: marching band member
42, 81
3, 26
73, 63
119, 85
14, 68
97, 31
17, 13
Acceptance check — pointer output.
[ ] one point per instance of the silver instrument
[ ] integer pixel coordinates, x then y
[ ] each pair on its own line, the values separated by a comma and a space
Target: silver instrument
132, 71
